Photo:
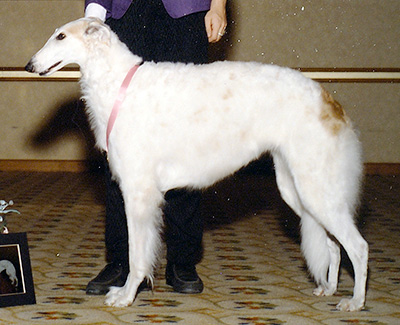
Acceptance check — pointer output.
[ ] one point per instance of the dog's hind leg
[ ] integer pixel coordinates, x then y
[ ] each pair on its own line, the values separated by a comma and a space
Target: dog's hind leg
339, 223
144, 219
285, 183
329, 205
356, 247
318, 249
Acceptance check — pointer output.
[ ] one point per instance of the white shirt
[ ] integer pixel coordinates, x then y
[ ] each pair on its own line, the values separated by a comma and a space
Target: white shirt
96, 10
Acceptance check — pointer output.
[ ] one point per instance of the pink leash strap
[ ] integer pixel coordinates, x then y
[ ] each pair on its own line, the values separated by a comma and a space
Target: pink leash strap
118, 102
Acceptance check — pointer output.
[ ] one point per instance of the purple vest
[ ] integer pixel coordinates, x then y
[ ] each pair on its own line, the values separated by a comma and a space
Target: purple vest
175, 8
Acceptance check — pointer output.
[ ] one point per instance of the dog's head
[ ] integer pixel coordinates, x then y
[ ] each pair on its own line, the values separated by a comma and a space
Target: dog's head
70, 43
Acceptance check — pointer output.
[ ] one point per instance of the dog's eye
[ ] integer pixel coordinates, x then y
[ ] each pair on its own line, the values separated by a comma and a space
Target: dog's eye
61, 36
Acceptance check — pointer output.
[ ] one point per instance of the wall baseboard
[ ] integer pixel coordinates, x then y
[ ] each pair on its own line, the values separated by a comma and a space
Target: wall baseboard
44, 165
382, 168
78, 166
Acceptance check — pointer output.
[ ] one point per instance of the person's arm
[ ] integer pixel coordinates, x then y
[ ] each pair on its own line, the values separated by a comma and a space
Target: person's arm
215, 20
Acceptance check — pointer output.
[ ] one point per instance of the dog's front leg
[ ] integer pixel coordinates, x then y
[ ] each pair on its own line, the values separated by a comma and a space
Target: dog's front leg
144, 219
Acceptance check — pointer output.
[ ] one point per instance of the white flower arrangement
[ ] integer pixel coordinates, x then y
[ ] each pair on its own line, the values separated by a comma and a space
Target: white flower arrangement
3, 221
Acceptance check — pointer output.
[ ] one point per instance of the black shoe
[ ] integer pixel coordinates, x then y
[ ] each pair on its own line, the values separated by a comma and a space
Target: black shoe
113, 275
183, 278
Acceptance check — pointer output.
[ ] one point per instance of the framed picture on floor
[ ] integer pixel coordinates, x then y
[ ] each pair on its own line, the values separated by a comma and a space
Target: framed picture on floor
16, 282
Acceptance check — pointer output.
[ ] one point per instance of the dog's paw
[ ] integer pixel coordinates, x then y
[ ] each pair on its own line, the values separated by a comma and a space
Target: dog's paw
350, 305
324, 291
118, 297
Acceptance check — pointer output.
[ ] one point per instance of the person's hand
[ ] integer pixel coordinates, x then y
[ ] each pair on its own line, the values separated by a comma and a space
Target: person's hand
96, 11
215, 20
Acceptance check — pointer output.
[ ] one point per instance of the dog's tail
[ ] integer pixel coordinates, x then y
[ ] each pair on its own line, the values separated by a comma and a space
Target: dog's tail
314, 244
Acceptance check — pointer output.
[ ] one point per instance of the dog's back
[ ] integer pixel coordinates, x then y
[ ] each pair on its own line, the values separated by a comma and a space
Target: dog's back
218, 117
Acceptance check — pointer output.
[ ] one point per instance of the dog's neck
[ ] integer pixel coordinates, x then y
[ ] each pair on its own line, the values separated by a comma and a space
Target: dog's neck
100, 83
105, 66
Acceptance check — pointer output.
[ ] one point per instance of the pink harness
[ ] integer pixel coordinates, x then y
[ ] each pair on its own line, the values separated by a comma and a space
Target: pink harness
120, 99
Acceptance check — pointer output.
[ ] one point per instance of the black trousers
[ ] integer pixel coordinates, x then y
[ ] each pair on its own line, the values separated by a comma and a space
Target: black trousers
151, 33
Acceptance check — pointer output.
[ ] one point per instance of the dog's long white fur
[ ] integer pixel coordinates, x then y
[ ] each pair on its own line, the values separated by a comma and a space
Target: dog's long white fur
190, 126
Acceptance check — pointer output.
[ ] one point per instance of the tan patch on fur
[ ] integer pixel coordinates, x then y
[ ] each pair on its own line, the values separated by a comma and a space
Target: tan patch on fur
76, 29
227, 94
332, 114
244, 135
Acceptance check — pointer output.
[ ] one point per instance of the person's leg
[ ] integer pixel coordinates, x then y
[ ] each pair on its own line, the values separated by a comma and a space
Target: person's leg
181, 40
183, 235
116, 240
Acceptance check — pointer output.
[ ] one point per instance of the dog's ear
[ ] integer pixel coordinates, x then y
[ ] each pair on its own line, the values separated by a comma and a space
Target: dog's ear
98, 31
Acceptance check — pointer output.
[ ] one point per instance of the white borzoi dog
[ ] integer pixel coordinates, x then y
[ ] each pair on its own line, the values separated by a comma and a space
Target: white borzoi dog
192, 125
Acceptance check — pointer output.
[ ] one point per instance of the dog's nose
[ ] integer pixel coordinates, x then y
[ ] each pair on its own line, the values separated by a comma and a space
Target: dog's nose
30, 67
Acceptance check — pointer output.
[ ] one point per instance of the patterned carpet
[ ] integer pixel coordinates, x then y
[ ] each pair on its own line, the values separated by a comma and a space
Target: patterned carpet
252, 267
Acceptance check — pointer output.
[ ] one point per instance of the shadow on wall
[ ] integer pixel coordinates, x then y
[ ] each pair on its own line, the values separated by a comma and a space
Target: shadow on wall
68, 118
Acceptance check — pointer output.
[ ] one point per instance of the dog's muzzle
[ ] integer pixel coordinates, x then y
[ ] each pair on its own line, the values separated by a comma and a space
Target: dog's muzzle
30, 67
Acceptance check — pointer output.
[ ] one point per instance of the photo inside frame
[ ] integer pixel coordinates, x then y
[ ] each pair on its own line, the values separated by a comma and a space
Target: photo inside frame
11, 273
16, 282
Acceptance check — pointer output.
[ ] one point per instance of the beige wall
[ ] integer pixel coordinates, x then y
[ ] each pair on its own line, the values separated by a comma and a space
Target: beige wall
41, 120
28, 109
316, 33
